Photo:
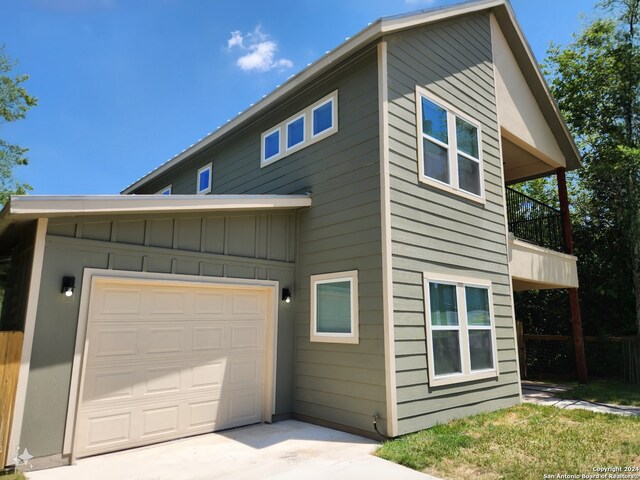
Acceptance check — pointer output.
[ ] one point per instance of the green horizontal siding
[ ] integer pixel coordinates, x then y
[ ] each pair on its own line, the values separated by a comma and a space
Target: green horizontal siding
436, 231
339, 232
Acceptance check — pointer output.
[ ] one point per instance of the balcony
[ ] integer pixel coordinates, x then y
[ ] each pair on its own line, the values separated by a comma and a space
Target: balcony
533, 221
536, 245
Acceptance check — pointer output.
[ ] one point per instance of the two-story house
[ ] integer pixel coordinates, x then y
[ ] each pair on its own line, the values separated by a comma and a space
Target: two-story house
338, 253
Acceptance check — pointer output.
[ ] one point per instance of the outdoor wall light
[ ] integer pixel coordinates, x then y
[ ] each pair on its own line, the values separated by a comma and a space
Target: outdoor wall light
286, 295
68, 285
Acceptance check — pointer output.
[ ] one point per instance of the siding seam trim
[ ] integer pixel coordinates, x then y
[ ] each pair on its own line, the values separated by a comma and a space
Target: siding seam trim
387, 266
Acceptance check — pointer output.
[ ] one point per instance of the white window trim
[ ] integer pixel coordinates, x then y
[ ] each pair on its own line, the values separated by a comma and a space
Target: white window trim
353, 337
467, 374
452, 148
334, 116
277, 156
201, 191
309, 139
165, 189
298, 145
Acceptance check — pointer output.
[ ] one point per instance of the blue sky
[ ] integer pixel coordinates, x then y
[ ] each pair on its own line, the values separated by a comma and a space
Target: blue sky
124, 85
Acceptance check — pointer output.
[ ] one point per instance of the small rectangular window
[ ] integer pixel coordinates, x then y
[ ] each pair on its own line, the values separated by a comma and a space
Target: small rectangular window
295, 132
271, 145
449, 148
460, 329
322, 117
204, 180
165, 191
334, 307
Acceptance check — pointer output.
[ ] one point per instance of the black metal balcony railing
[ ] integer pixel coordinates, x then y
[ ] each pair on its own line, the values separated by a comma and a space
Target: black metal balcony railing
533, 221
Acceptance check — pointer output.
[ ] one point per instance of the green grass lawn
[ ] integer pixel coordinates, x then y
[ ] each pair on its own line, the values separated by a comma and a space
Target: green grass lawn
602, 391
13, 476
522, 442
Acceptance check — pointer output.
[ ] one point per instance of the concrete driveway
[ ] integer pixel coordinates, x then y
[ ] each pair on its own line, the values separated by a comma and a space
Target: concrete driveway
288, 450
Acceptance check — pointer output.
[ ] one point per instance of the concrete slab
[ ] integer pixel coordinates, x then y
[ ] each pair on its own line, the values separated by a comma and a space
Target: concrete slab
288, 450
546, 394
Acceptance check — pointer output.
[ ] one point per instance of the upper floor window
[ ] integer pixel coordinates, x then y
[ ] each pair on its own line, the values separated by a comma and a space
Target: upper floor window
460, 329
165, 191
449, 148
204, 179
295, 132
306, 127
271, 144
323, 117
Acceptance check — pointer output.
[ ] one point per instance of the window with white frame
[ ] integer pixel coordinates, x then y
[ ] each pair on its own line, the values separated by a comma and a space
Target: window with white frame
334, 307
295, 132
204, 179
450, 156
271, 144
322, 117
461, 340
165, 191
301, 130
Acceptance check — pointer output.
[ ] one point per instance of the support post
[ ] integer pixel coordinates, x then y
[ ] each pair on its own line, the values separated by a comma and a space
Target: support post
574, 301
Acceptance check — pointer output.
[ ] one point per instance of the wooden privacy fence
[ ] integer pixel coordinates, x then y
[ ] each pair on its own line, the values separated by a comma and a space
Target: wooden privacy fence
551, 355
10, 351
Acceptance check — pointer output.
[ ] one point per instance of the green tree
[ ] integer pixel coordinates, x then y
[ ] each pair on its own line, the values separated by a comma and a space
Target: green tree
596, 81
14, 104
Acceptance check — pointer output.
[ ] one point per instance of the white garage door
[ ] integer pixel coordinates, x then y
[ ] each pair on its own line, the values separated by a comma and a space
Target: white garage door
167, 361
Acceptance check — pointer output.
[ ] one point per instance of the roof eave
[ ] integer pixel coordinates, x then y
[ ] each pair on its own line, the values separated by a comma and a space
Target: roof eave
74, 205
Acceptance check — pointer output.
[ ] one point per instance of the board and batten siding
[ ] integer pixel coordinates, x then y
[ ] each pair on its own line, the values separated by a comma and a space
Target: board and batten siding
232, 244
436, 231
337, 383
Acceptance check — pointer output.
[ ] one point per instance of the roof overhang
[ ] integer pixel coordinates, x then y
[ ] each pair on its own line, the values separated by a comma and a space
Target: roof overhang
506, 18
27, 207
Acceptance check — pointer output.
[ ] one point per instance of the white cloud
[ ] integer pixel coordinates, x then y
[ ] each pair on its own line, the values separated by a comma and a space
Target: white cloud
236, 40
259, 51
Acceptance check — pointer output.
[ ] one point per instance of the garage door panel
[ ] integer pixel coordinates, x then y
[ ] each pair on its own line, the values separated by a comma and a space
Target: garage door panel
247, 304
119, 301
244, 408
115, 342
243, 372
160, 421
164, 380
166, 302
209, 302
207, 376
107, 430
204, 415
170, 362
163, 340
109, 385
207, 338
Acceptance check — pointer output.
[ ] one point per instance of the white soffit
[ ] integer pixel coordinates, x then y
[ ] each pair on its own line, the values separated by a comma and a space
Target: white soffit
518, 109
52, 206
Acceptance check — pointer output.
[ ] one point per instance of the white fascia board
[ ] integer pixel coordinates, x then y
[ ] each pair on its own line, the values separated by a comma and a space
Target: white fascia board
48, 206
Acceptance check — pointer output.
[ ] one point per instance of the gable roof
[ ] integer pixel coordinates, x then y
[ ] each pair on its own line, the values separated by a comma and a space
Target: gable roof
386, 25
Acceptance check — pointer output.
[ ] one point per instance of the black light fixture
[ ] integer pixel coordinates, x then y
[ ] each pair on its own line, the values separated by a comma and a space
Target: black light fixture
286, 295
68, 285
